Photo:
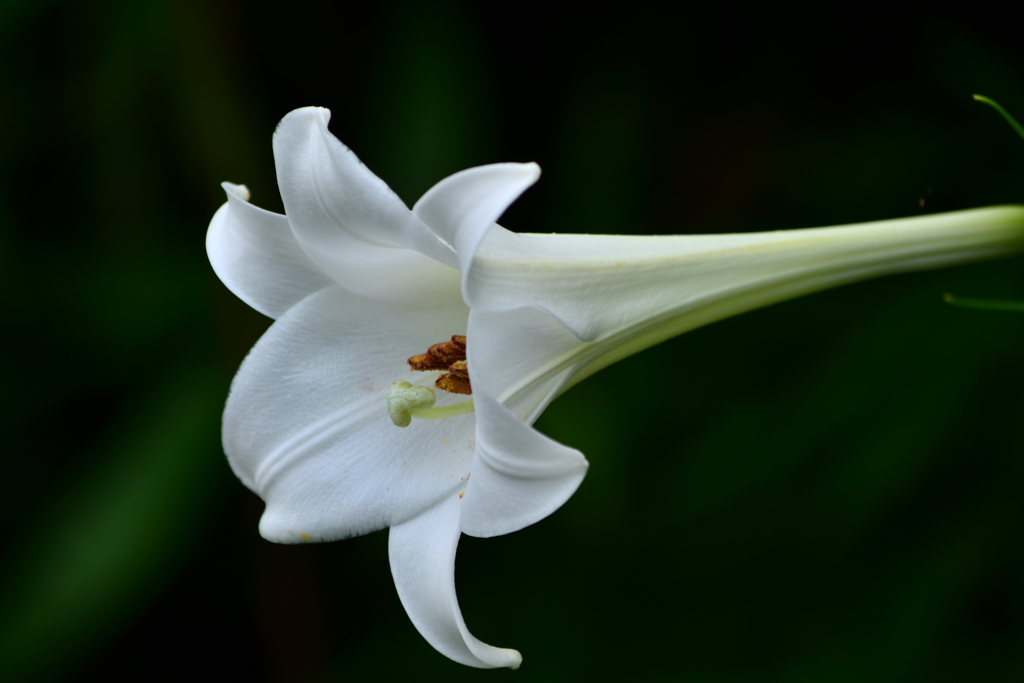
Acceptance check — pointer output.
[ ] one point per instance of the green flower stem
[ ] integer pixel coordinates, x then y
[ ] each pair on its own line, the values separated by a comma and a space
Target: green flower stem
986, 304
1006, 115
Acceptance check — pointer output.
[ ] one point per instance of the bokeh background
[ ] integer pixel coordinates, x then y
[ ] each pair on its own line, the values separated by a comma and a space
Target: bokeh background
825, 490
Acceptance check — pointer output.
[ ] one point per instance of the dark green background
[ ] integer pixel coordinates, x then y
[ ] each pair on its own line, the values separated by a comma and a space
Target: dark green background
825, 490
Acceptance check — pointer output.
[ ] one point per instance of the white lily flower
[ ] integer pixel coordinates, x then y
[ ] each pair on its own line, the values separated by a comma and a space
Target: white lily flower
358, 284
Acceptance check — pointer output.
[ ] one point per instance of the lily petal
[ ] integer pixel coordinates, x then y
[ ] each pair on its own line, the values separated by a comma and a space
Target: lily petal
255, 255
463, 207
597, 285
519, 475
349, 223
306, 424
422, 555
518, 358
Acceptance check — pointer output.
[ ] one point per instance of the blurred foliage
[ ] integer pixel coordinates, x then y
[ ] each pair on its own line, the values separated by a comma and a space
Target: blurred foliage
834, 497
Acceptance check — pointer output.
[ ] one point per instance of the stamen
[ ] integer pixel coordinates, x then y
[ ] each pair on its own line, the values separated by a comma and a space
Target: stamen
406, 401
449, 356
440, 356
456, 380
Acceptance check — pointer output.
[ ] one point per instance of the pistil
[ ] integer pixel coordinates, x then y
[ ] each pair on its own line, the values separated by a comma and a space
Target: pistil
405, 399
442, 412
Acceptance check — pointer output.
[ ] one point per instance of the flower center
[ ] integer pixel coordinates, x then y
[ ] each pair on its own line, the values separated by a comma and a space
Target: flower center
406, 401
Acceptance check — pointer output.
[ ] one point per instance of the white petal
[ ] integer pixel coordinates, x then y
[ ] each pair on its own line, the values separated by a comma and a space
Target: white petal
518, 358
519, 476
422, 554
256, 256
598, 285
306, 425
349, 222
463, 207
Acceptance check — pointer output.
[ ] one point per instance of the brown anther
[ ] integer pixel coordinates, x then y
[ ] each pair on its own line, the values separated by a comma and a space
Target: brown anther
449, 356
440, 356
456, 380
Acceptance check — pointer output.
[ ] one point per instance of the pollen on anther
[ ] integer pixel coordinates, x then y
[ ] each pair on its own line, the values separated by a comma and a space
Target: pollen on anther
449, 356
456, 380
441, 355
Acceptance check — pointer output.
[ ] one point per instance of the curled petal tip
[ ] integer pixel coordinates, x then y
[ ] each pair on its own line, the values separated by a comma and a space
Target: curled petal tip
240, 191
320, 116
500, 658
532, 168
529, 171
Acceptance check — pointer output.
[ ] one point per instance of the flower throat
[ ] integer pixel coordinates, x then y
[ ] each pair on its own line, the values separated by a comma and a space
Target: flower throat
406, 401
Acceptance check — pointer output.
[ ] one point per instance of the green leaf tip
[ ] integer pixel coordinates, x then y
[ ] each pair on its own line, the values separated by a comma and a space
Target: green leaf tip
984, 304
1005, 114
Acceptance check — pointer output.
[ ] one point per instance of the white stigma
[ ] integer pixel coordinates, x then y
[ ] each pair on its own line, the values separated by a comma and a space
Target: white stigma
403, 398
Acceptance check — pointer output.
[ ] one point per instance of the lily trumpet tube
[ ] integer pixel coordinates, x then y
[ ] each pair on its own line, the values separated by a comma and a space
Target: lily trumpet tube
384, 315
